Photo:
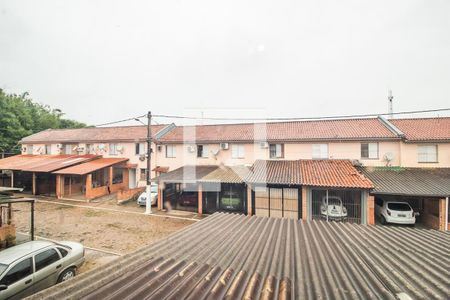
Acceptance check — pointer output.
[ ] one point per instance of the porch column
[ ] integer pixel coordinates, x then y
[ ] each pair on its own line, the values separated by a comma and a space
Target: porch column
200, 199
304, 203
58, 186
249, 200
110, 176
160, 196
370, 210
12, 178
88, 185
442, 214
34, 184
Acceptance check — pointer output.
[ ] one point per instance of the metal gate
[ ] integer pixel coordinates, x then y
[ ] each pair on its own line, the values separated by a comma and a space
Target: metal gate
337, 205
277, 202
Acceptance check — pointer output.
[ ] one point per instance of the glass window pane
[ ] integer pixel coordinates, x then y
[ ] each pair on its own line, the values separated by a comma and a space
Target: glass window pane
18, 272
45, 258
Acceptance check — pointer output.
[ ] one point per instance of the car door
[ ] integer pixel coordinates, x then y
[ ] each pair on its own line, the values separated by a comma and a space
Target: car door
18, 281
47, 265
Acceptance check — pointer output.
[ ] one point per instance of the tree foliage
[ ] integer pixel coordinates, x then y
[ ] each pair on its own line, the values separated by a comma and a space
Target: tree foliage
20, 116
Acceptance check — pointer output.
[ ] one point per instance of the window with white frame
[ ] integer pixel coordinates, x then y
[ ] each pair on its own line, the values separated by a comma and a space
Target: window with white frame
369, 150
113, 149
202, 151
139, 148
427, 153
276, 150
237, 151
30, 149
320, 151
171, 151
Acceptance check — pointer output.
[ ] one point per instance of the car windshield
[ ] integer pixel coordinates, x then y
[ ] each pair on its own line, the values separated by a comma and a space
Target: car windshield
399, 206
154, 189
3, 267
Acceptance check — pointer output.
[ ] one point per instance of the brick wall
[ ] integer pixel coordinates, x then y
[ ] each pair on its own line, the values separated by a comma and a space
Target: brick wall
304, 203
129, 193
431, 213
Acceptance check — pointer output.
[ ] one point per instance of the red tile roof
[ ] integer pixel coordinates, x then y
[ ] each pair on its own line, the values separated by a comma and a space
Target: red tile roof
333, 173
93, 134
348, 129
92, 166
42, 163
318, 173
424, 129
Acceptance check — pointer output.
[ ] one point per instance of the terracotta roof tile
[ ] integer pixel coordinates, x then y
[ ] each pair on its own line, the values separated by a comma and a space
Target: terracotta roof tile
351, 129
43, 163
424, 129
333, 173
91, 166
93, 134
275, 172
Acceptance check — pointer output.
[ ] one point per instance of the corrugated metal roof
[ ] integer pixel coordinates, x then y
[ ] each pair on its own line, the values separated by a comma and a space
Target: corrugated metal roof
227, 174
93, 134
188, 173
432, 182
275, 172
333, 173
424, 129
43, 163
91, 166
344, 129
228, 256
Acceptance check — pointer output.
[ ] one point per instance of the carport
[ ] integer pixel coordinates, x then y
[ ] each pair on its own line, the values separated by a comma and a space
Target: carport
426, 190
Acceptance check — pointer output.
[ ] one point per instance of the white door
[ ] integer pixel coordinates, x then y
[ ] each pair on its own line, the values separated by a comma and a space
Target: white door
132, 178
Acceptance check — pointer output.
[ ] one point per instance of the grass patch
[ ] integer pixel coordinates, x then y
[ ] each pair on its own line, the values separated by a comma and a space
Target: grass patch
92, 213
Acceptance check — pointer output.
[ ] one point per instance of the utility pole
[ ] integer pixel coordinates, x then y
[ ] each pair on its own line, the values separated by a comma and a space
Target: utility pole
148, 202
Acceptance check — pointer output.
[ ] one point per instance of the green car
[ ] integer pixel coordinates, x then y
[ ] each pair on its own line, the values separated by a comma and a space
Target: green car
230, 201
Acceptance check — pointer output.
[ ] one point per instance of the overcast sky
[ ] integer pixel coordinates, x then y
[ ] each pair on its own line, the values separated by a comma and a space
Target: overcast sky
100, 61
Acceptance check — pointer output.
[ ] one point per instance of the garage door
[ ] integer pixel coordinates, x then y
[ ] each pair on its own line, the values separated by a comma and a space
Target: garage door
277, 202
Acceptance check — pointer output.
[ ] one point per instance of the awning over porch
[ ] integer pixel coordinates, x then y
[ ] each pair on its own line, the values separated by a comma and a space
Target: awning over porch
43, 163
91, 166
424, 182
186, 174
227, 174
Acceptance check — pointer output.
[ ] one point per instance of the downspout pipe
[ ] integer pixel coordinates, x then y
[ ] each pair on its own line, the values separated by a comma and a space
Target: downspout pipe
446, 214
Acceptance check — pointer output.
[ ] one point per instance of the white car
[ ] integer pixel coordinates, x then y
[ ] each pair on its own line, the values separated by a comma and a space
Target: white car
395, 212
335, 210
153, 192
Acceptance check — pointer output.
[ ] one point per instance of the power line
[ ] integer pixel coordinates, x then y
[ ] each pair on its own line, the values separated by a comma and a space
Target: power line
275, 119
301, 118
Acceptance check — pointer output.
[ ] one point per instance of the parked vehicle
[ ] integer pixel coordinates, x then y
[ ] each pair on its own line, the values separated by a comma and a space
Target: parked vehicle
142, 199
335, 210
230, 200
188, 199
395, 212
33, 266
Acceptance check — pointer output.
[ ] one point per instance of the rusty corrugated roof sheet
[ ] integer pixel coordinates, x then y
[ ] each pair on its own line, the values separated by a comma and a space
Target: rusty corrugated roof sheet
92, 166
93, 134
344, 129
275, 172
43, 163
228, 256
424, 129
425, 182
227, 174
333, 173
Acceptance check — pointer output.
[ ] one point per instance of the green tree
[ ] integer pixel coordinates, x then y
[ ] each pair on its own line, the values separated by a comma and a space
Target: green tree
20, 116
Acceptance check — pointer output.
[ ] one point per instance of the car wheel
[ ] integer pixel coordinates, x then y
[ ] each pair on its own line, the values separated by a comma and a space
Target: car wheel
383, 220
66, 275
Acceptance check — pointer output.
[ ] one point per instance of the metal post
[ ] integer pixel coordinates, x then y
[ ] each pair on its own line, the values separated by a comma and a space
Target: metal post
327, 206
148, 202
446, 214
32, 221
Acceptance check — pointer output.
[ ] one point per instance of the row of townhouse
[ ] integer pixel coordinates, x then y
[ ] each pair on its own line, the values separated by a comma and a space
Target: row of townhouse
197, 167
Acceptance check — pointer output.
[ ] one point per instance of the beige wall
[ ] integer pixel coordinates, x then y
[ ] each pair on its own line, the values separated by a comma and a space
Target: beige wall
403, 154
409, 156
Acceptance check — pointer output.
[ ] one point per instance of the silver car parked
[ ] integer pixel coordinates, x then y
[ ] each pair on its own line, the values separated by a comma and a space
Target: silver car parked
33, 266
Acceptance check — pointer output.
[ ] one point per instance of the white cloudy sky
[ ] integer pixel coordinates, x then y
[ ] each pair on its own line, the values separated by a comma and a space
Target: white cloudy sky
104, 60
